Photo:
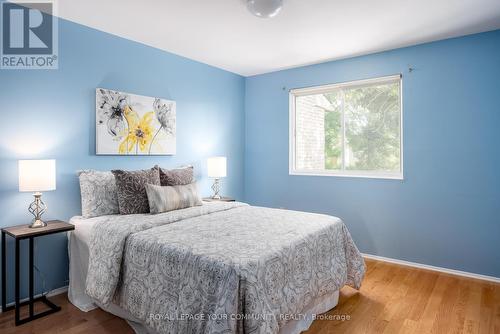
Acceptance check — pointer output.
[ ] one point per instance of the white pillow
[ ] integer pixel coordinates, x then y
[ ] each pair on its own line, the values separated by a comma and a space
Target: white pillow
98, 192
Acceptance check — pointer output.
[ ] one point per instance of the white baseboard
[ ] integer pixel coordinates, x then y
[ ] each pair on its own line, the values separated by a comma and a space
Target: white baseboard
433, 268
54, 292
58, 291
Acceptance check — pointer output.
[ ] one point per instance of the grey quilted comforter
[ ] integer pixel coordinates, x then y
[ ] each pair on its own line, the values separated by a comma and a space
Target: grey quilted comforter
221, 267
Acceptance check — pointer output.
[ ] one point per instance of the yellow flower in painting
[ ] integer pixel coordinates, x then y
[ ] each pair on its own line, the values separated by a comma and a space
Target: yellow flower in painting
140, 132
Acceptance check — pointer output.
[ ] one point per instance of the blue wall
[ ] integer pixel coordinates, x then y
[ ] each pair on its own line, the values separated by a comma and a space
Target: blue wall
446, 210
444, 213
51, 114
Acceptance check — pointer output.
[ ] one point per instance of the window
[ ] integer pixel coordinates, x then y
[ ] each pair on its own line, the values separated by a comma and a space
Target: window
348, 129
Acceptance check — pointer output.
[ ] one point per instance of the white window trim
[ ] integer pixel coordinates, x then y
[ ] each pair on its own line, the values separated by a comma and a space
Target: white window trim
343, 173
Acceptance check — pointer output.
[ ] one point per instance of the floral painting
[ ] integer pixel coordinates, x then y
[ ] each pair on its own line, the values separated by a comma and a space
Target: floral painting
128, 124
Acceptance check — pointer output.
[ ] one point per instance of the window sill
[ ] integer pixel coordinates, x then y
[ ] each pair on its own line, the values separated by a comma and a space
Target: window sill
398, 176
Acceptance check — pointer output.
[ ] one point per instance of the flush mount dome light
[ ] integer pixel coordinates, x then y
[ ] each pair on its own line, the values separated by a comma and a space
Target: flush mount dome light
264, 8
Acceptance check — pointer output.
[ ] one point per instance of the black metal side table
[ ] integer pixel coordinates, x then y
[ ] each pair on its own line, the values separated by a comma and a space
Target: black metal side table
19, 233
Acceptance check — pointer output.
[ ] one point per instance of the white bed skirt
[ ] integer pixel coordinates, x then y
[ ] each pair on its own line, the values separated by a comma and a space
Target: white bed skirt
78, 264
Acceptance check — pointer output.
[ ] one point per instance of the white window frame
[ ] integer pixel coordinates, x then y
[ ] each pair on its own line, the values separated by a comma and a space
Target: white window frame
294, 93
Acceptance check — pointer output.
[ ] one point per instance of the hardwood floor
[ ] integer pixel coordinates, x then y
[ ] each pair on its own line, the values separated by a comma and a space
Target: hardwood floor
68, 320
399, 299
393, 299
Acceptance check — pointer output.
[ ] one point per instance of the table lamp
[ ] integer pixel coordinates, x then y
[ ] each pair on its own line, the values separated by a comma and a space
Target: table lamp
216, 170
37, 176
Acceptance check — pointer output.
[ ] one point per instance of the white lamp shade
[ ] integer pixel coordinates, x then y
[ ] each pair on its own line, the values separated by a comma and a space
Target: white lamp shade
216, 167
37, 175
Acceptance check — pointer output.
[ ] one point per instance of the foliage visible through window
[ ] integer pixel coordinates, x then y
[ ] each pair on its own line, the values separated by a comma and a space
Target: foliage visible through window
348, 129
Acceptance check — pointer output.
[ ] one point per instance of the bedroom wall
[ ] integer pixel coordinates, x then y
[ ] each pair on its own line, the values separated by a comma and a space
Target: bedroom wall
51, 114
445, 211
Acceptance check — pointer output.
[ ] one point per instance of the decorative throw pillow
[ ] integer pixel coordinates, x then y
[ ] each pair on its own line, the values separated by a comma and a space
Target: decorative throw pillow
176, 177
168, 198
98, 192
130, 185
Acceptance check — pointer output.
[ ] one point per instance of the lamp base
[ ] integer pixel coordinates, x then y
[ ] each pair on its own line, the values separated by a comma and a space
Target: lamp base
37, 223
216, 189
37, 208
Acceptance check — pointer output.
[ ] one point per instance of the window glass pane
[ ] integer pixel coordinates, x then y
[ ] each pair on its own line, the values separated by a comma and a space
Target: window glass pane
310, 132
372, 128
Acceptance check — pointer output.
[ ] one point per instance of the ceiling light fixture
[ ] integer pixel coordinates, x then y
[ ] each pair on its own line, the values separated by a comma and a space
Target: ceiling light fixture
264, 8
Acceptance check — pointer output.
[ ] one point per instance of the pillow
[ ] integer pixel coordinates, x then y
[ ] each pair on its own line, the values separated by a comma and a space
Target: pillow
176, 177
130, 185
168, 198
98, 192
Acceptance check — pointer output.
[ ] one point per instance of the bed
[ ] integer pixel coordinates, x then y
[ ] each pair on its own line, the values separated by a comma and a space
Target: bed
223, 267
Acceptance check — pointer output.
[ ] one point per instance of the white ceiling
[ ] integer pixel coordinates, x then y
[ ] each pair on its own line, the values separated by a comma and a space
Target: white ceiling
224, 34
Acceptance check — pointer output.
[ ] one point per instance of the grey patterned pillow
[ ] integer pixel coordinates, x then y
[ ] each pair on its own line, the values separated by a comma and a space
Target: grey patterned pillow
132, 197
176, 177
98, 192
168, 198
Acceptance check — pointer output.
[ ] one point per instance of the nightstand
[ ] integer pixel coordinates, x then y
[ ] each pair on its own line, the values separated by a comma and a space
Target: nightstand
20, 233
222, 199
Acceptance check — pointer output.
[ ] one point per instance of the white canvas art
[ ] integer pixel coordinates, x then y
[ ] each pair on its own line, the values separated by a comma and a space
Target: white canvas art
128, 124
